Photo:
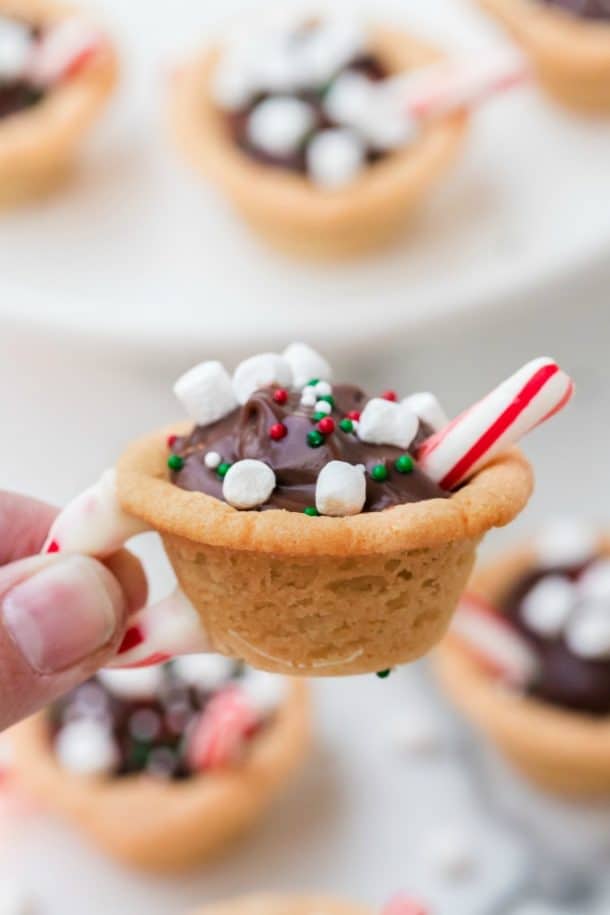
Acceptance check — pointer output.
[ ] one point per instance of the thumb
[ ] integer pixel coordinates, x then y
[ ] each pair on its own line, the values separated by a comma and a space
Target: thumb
60, 619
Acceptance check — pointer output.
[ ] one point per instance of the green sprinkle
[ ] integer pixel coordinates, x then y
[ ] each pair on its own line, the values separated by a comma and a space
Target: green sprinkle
346, 425
379, 472
316, 417
404, 463
328, 398
382, 674
223, 469
315, 438
311, 510
312, 382
175, 462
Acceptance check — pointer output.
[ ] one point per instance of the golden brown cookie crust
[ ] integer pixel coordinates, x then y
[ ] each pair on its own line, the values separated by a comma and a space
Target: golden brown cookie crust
571, 55
561, 751
320, 596
287, 208
169, 826
282, 904
38, 144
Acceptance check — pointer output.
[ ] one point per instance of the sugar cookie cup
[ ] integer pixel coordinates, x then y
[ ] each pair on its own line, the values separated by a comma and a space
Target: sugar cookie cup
288, 209
276, 904
171, 826
571, 55
321, 596
38, 145
561, 751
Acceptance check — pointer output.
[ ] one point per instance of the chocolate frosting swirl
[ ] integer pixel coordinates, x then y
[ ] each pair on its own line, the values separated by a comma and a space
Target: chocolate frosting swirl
585, 9
244, 433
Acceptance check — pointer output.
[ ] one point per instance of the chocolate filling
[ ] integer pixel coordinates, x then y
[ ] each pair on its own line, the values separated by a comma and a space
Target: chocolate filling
244, 433
585, 9
564, 679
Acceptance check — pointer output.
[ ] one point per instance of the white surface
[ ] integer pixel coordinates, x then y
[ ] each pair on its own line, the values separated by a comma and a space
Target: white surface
139, 248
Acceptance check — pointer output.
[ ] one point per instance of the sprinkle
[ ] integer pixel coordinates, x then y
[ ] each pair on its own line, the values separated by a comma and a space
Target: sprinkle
171, 440
278, 431
322, 406
379, 472
308, 397
175, 462
280, 395
312, 511
312, 382
326, 425
212, 459
53, 547
318, 416
327, 398
346, 425
223, 468
323, 389
390, 395
404, 463
315, 438
356, 425
383, 674
354, 414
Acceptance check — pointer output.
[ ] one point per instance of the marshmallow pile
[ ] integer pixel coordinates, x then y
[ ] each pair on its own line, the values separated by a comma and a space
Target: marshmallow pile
44, 61
273, 75
208, 393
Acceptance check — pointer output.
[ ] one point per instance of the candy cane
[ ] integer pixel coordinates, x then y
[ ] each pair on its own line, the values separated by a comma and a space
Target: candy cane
449, 86
63, 50
219, 736
493, 642
404, 905
529, 397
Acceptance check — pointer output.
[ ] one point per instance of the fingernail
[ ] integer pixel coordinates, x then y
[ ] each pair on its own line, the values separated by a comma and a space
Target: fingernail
63, 613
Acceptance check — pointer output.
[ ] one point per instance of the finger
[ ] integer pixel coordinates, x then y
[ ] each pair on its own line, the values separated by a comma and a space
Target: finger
24, 524
61, 618
128, 570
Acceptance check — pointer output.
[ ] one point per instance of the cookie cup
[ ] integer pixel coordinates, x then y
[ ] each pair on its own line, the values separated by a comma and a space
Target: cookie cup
293, 594
571, 55
38, 144
287, 208
563, 752
276, 904
161, 826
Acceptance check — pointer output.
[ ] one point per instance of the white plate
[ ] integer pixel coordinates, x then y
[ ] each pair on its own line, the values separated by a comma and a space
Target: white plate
138, 249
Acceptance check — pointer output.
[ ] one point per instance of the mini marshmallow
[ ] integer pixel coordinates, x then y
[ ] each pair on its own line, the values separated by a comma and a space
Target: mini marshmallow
279, 125
277, 67
212, 460
426, 406
328, 48
340, 489
232, 84
383, 422
265, 692
350, 99
15, 49
207, 672
548, 605
449, 850
86, 747
594, 583
306, 364
139, 683
260, 371
248, 484
206, 392
587, 632
565, 542
322, 406
335, 157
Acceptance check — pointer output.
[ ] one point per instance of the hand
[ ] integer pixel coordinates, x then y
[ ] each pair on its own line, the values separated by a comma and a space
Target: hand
62, 616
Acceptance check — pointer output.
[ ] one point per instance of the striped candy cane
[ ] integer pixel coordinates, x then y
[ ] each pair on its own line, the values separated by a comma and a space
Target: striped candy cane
64, 49
219, 736
529, 397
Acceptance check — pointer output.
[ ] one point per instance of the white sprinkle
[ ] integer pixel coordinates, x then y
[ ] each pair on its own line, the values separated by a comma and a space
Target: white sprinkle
15, 49
355, 426
278, 125
207, 672
258, 372
340, 489
587, 632
449, 850
248, 484
566, 542
323, 389
308, 397
428, 409
383, 422
322, 406
212, 459
547, 606
206, 392
86, 747
265, 691
594, 583
306, 364
138, 683
335, 157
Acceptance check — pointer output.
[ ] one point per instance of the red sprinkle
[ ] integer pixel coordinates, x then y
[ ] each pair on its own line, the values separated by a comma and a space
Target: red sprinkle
53, 547
133, 637
354, 414
277, 431
171, 440
280, 395
390, 395
326, 425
